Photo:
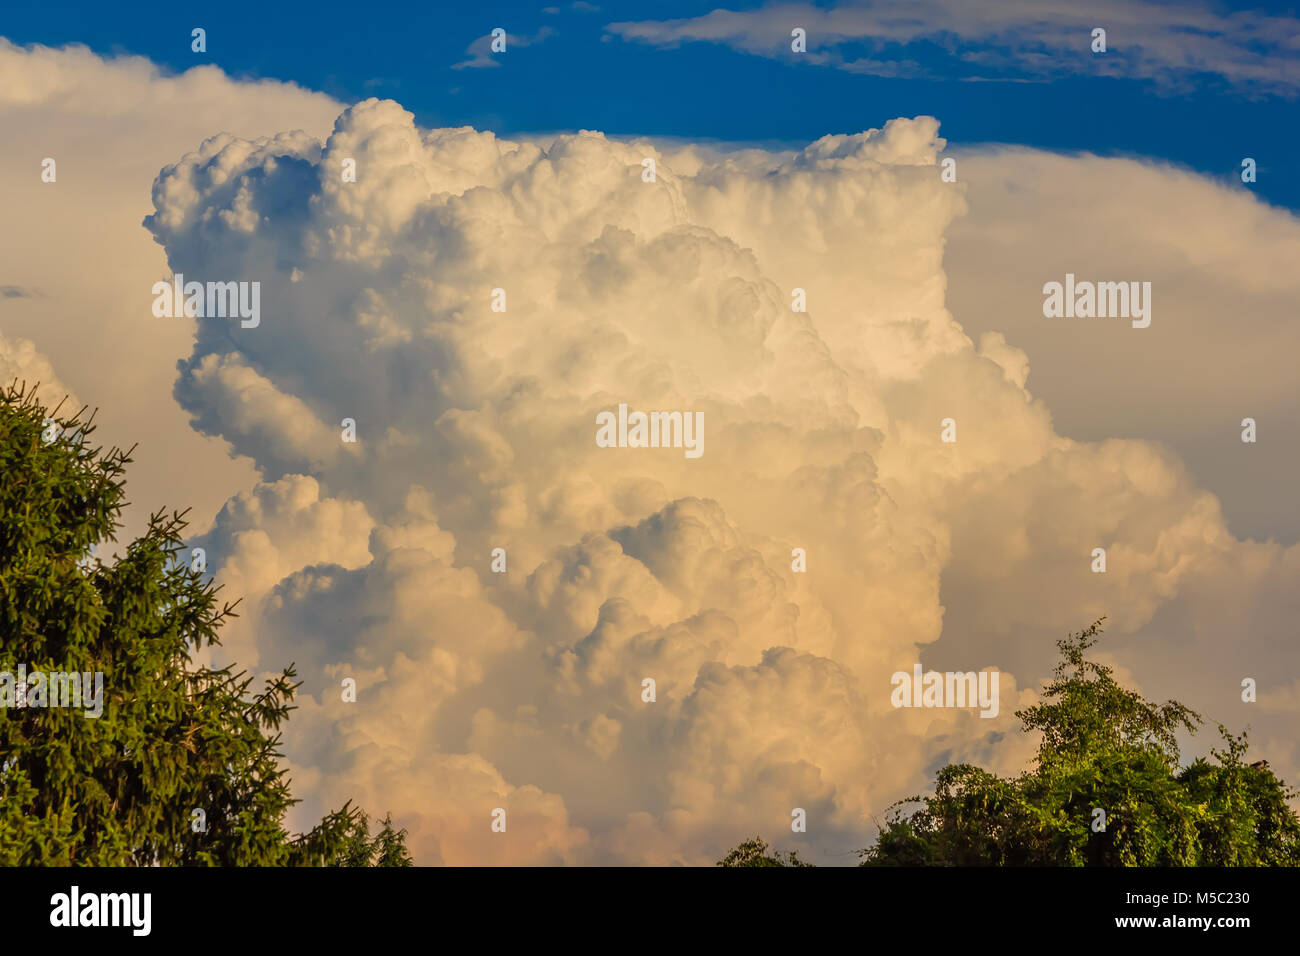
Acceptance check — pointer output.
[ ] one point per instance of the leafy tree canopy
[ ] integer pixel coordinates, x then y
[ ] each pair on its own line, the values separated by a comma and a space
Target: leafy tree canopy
755, 853
173, 737
1103, 748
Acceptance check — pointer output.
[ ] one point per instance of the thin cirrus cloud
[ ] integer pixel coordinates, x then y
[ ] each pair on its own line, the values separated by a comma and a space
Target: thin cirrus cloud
522, 690
479, 55
1168, 43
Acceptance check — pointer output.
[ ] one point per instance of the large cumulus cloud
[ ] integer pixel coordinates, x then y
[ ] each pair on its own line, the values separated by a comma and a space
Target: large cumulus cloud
523, 689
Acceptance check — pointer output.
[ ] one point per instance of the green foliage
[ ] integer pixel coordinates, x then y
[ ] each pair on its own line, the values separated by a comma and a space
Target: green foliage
755, 853
386, 848
1102, 747
173, 736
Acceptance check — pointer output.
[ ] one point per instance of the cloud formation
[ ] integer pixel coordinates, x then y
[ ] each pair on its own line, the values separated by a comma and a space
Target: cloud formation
524, 689
21, 362
110, 124
1171, 44
1219, 261
480, 55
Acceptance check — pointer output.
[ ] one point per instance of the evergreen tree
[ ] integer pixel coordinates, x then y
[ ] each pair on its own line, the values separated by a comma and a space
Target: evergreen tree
182, 767
386, 848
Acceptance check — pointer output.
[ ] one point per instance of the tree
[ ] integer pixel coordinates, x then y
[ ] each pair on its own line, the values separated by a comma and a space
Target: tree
386, 848
1106, 790
755, 853
182, 767
1103, 748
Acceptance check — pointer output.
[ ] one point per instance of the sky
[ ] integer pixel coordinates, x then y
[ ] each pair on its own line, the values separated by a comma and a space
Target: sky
580, 69
799, 271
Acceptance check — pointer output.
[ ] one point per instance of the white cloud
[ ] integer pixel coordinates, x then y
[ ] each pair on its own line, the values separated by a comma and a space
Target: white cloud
22, 364
479, 54
110, 125
1223, 329
1172, 44
822, 433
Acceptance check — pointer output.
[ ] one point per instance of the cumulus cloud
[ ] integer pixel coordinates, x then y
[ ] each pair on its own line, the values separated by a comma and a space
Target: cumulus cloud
21, 363
1172, 44
271, 532
524, 687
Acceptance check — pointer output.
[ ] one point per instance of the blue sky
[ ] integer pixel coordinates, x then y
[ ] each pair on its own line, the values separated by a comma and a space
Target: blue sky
581, 74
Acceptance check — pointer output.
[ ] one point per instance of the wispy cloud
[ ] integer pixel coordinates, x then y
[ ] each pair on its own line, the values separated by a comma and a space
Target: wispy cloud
1171, 44
578, 6
479, 53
